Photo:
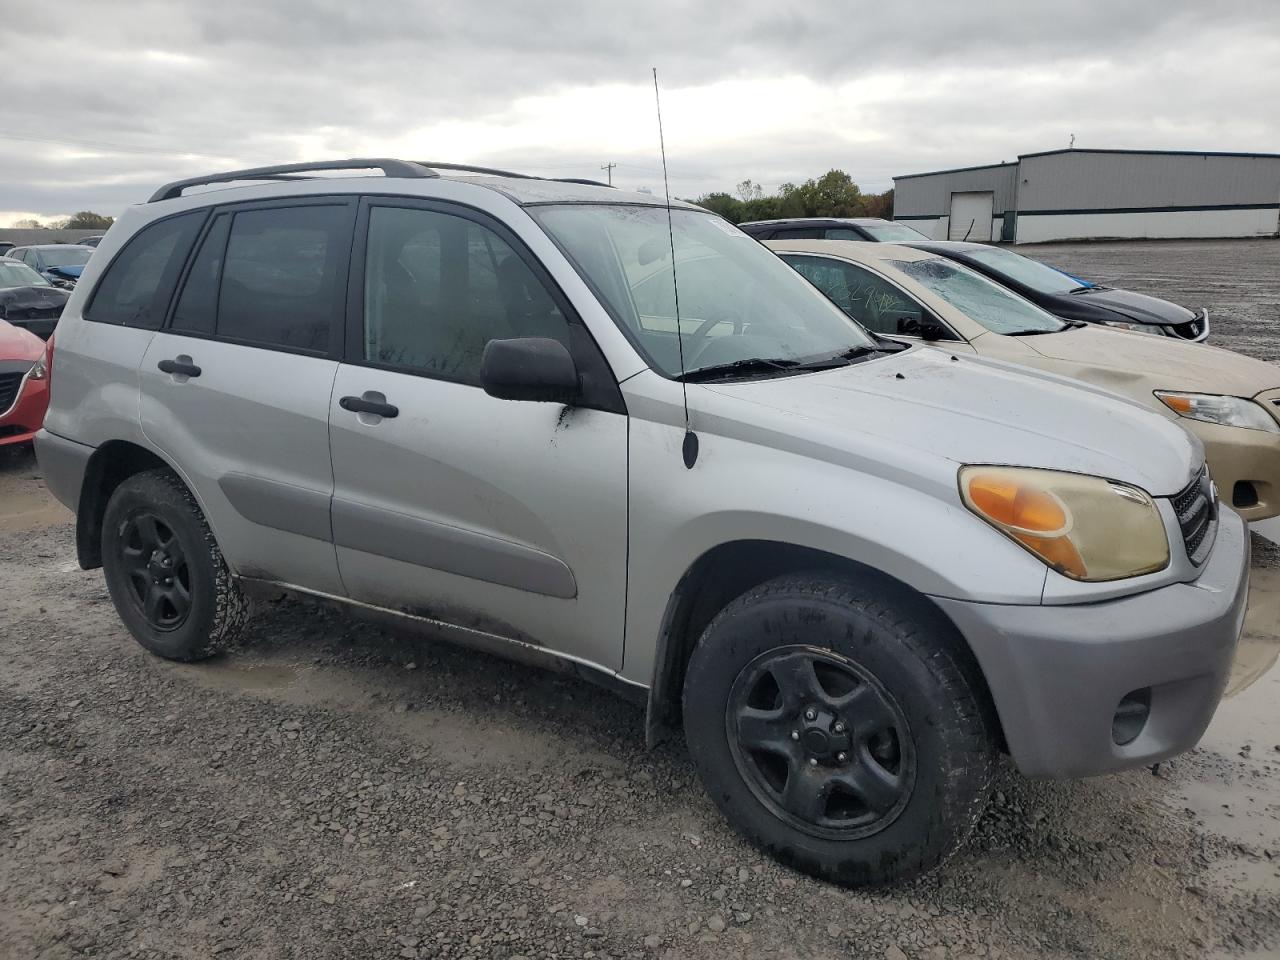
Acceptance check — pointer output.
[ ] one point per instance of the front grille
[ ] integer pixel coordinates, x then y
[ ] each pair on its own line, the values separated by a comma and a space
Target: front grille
1197, 510
1197, 328
9, 384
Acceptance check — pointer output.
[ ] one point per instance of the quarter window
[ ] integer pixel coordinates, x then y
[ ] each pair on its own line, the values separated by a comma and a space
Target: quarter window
871, 300
438, 288
136, 288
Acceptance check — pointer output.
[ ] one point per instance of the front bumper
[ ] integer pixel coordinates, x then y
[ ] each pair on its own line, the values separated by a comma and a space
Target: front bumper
1245, 465
25, 416
1058, 673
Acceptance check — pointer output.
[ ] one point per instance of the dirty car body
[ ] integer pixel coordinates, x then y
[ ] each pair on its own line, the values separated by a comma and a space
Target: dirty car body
553, 462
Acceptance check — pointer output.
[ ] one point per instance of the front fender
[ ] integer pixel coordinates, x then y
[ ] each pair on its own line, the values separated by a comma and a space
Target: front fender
735, 492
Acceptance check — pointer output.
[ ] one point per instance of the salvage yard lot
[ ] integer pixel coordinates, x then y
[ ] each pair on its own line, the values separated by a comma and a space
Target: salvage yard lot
333, 790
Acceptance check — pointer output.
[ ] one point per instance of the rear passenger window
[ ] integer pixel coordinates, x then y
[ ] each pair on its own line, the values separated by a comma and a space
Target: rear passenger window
136, 288
271, 278
439, 287
281, 274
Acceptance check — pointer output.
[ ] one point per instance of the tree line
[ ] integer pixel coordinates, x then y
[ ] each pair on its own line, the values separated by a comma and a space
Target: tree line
84, 220
834, 194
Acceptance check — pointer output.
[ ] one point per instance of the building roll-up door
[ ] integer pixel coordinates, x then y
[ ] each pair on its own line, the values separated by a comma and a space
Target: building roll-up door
970, 216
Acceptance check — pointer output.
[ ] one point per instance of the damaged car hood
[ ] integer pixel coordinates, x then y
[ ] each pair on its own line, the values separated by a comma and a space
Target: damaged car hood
1123, 358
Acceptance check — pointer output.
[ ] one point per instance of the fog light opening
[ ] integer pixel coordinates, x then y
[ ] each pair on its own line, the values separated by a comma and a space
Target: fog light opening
1131, 716
1244, 494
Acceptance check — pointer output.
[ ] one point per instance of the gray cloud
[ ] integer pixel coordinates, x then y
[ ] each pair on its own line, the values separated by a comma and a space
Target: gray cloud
160, 90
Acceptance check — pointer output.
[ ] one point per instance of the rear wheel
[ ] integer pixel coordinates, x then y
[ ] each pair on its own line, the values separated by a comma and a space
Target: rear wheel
837, 733
164, 570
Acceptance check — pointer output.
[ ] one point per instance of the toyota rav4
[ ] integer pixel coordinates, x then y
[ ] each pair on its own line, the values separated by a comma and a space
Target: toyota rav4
578, 426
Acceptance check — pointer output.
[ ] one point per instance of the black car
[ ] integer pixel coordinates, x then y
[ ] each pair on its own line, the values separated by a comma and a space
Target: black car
28, 300
6, 246
832, 228
1070, 297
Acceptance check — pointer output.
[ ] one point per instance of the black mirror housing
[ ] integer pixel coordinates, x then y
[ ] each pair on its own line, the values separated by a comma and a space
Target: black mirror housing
530, 368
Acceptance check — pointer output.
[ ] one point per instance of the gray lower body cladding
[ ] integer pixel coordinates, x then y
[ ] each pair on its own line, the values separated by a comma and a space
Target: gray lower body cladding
63, 464
1059, 673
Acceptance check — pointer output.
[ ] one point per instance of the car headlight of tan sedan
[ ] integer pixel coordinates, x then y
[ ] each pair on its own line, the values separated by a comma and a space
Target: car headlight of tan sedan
1211, 408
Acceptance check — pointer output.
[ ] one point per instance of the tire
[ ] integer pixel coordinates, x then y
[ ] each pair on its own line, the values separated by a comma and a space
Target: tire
889, 773
188, 609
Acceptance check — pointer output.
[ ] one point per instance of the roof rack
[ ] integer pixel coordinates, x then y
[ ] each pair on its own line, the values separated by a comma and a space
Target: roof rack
468, 168
408, 169
284, 171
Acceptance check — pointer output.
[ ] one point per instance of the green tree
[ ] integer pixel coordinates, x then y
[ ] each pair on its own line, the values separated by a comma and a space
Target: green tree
722, 203
88, 220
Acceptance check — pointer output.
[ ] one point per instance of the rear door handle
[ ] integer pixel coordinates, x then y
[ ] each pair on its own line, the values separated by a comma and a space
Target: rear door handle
367, 404
182, 366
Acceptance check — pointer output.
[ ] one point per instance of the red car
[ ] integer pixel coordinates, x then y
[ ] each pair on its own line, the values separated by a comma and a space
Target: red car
24, 383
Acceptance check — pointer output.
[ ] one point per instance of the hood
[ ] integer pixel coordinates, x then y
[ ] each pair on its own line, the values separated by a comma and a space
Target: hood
1135, 306
1167, 362
924, 411
16, 344
20, 302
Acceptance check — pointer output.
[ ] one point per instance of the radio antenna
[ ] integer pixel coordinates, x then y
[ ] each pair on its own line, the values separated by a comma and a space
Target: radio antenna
689, 449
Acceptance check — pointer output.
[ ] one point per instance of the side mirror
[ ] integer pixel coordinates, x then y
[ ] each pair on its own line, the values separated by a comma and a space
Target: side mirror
931, 329
529, 368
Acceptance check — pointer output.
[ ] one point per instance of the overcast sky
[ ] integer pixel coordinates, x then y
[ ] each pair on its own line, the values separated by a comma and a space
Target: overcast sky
104, 101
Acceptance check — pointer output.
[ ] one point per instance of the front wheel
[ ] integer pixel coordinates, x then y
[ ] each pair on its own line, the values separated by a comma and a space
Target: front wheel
164, 570
837, 733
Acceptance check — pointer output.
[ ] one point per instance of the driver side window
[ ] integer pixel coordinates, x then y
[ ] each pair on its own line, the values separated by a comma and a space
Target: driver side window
871, 300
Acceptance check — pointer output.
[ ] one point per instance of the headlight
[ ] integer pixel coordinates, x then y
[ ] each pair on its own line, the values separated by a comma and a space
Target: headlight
39, 371
1136, 327
1228, 411
1086, 528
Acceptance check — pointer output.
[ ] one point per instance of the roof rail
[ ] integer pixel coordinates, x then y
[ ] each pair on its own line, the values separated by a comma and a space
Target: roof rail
390, 168
468, 168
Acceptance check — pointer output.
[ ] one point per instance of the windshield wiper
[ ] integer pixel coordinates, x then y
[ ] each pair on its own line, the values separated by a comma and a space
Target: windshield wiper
843, 358
738, 368
1030, 333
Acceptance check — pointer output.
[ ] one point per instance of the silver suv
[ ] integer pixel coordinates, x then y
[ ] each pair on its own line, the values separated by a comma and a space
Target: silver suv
568, 424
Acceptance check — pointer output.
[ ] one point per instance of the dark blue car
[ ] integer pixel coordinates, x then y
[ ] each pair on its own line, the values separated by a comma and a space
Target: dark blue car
59, 263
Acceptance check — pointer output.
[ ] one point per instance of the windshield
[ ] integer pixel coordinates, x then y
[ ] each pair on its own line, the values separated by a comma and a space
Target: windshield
66, 256
738, 302
1030, 273
893, 232
15, 273
996, 308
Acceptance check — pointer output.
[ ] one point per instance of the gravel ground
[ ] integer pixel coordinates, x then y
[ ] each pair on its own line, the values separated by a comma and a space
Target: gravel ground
333, 790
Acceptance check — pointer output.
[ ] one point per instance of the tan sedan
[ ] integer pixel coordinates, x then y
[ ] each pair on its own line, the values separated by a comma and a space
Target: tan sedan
1231, 402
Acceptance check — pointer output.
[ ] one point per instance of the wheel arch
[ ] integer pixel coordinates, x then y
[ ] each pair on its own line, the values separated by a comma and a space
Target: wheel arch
110, 465
728, 570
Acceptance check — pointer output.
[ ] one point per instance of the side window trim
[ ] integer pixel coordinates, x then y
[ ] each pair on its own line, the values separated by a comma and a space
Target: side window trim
601, 390
338, 323
911, 297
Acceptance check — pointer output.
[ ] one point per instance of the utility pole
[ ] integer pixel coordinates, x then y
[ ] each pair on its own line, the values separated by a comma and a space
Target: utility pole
609, 168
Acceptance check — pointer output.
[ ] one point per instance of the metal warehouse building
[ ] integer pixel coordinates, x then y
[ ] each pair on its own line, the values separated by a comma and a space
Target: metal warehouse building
1097, 194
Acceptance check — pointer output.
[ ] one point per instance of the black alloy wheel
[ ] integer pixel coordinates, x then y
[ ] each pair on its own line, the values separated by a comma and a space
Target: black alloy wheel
159, 576
820, 742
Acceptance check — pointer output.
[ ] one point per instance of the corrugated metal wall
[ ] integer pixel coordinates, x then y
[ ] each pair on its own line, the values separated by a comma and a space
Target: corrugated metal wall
1093, 181
929, 195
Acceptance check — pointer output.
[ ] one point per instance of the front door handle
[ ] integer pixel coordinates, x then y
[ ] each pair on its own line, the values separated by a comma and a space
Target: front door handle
368, 404
181, 366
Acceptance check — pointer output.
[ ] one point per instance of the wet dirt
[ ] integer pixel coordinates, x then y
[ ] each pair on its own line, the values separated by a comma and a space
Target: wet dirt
334, 790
